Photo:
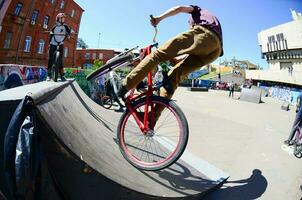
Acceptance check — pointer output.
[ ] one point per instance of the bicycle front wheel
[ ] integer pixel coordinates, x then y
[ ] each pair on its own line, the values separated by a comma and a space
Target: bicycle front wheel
160, 147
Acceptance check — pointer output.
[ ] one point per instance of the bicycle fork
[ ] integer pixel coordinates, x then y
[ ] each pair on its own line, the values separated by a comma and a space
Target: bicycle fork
145, 122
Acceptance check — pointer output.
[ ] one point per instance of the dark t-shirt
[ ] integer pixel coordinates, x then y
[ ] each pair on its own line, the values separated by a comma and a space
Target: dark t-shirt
59, 28
200, 16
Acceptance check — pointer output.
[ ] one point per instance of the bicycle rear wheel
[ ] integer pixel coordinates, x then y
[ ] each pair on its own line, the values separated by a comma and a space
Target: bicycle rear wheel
298, 144
106, 102
162, 146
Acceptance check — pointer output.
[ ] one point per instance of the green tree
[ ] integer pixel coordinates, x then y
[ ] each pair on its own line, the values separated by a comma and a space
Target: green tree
97, 64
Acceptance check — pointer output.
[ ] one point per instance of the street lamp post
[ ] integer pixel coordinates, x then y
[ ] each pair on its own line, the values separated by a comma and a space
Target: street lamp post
99, 40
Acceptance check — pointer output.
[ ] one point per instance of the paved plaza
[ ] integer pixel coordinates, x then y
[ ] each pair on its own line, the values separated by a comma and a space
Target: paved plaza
244, 140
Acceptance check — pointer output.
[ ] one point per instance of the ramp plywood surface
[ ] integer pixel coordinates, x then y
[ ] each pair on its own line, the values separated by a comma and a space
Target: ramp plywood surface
77, 134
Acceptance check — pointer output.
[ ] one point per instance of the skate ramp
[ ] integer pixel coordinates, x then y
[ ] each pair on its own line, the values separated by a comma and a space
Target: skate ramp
83, 159
251, 95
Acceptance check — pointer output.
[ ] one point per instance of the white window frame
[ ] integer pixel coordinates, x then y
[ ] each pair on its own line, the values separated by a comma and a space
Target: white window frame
101, 56
94, 56
34, 17
45, 25
41, 46
72, 13
27, 43
87, 56
65, 52
18, 9
62, 4
7, 40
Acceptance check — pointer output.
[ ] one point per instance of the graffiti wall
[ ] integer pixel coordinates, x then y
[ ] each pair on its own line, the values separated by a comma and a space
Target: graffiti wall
283, 94
198, 73
12, 75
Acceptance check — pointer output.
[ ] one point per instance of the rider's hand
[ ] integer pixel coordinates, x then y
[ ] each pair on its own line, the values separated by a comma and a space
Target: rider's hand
155, 21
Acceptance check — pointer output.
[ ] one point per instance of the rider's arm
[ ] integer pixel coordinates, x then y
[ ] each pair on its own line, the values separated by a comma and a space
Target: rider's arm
171, 12
51, 33
68, 29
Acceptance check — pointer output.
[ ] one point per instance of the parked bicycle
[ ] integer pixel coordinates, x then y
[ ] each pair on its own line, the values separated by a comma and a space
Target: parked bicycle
298, 142
105, 100
145, 143
107, 97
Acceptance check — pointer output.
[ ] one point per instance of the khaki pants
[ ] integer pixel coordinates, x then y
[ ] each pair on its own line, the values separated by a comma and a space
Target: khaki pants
201, 45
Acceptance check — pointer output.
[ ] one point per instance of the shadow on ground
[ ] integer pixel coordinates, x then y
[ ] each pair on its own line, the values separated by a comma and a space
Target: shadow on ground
245, 189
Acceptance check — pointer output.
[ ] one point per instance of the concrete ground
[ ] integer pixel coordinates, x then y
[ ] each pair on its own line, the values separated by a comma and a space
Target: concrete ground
245, 140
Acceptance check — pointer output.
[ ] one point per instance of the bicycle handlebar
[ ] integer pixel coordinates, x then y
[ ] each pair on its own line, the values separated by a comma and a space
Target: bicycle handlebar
155, 29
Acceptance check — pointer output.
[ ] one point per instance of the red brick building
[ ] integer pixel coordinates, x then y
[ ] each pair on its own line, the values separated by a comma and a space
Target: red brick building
86, 57
22, 30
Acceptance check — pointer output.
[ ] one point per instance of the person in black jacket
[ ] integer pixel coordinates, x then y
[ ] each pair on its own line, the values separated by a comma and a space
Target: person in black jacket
57, 36
298, 118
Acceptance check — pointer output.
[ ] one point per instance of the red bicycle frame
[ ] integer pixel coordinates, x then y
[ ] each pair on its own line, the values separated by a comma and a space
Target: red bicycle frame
143, 123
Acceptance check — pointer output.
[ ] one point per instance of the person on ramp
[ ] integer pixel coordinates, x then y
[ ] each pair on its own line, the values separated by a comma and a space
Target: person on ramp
201, 44
64, 30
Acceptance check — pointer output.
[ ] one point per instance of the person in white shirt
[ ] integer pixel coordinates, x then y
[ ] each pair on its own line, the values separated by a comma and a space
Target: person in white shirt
57, 36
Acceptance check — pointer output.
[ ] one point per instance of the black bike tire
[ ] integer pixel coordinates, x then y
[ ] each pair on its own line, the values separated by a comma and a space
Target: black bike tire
185, 134
116, 61
297, 152
298, 144
55, 67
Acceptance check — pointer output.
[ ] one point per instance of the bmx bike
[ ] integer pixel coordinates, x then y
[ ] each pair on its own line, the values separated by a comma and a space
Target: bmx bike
105, 101
298, 142
145, 142
54, 71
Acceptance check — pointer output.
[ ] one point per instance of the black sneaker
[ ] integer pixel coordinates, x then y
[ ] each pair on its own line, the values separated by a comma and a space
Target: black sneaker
167, 84
122, 91
288, 142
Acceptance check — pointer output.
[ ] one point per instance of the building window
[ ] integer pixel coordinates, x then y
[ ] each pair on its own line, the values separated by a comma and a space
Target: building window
53, 1
72, 13
46, 21
271, 39
8, 39
62, 4
280, 37
101, 56
41, 46
27, 44
87, 56
18, 9
65, 52
34, 17
94, 56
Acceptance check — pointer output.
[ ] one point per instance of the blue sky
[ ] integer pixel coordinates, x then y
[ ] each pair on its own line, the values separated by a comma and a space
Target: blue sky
125, 23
